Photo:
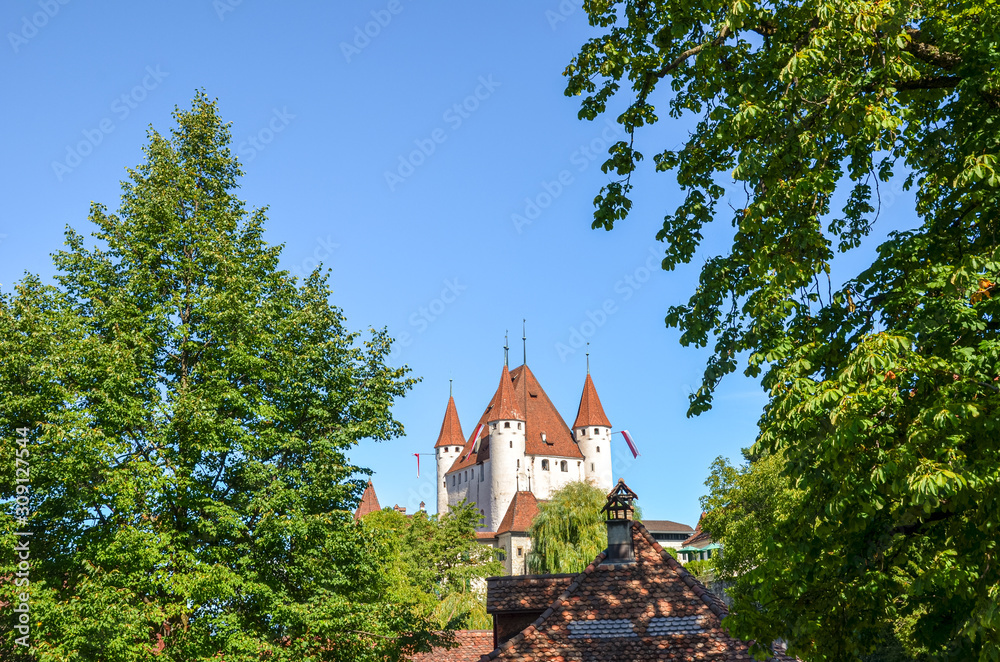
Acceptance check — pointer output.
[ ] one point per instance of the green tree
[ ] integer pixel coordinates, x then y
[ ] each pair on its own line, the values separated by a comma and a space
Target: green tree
884, 394
189, 406
569, 531
441, 565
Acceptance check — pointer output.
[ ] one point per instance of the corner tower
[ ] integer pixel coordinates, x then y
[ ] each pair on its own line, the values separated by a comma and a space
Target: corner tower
506, 429
448, 447
592, 432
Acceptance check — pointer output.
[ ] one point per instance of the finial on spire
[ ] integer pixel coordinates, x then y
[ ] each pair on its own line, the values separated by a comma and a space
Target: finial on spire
524, 343
449, 388
505, 348
588, 358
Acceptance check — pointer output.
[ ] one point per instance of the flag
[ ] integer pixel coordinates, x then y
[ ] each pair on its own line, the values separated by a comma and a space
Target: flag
631, 444
417, 455
475, 441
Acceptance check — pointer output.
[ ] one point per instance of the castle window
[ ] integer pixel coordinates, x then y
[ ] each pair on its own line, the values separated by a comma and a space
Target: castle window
591, 466
506, 424
520, 551
445, 481
493, 426
466, 476
453, 480
512, 443
564, 466
598, 449
518, 426
597, 430
519, 464
480, 476
545, 465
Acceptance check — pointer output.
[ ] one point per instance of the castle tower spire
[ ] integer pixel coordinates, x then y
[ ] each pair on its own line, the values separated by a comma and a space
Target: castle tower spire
592, 432
448, 447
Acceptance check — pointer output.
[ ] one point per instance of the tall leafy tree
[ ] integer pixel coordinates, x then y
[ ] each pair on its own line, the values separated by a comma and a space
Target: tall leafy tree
569, 531
884, 389
189, 406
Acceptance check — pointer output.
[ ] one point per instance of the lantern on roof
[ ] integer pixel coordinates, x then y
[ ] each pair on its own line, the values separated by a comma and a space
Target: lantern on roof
619, 511
619, 505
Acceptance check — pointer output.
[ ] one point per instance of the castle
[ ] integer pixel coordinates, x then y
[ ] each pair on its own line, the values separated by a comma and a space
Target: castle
520, 452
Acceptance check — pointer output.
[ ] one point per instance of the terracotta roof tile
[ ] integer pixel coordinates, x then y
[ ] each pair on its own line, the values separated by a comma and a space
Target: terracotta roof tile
451, 428
503, 406
471, 645
590, 412
541, 418
524, 592
699, 538
665, 525
369, 502
520, 513
672, 616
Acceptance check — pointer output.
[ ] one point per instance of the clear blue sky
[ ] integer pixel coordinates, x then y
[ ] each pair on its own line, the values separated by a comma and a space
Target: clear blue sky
399, 160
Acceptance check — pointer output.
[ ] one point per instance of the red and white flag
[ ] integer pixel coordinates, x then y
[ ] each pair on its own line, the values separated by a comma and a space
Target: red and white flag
475, 441
417, 455
631, 444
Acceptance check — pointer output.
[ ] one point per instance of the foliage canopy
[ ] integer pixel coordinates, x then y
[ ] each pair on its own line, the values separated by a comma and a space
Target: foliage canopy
190, 405
883, 413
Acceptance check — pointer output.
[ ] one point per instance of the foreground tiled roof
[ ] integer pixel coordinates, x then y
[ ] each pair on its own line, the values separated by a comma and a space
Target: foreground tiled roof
541, 417
665, 525
525, 592
451, 428
699, 538
590, 412
471, 645
520, 513
649, 610
369, 502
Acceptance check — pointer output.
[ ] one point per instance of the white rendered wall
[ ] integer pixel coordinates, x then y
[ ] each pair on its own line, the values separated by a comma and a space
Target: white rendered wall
592, 439
546, 481
506, 453
445, 457
509, 543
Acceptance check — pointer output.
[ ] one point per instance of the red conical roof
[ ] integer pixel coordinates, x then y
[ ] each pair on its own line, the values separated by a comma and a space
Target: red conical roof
451, 428
369, 502
504, 407
591, 412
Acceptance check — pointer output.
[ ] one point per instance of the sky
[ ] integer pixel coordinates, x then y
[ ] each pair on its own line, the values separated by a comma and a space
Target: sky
426, 155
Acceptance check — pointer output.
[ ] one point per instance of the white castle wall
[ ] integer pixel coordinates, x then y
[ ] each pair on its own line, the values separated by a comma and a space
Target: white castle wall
546, 481
445, 457
595, 444
507, 457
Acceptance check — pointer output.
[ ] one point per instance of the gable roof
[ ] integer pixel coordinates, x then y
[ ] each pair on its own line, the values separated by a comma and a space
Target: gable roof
666, 525
520, 513
590, 412
649, 610
368, 503
699, 538
471, 644
451, 428
540, 417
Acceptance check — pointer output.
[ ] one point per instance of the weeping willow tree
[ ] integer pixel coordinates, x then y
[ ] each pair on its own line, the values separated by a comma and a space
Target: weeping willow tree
569, 531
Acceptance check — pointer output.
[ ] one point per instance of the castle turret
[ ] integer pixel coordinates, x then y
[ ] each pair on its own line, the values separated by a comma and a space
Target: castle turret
506, 430
592, 432
448, 447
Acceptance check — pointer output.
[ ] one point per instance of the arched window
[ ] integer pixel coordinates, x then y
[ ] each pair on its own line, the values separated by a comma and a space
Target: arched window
545, 465
564, 466
597, 430
518, 426
506, 424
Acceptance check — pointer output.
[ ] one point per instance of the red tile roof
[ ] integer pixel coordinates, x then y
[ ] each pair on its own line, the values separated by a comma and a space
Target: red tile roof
520, 514
649, 610
590, 412
369, 502
542, 418
524, 592
471, 645
486, 535
699, 538
451, 428
665, 525
503, 407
